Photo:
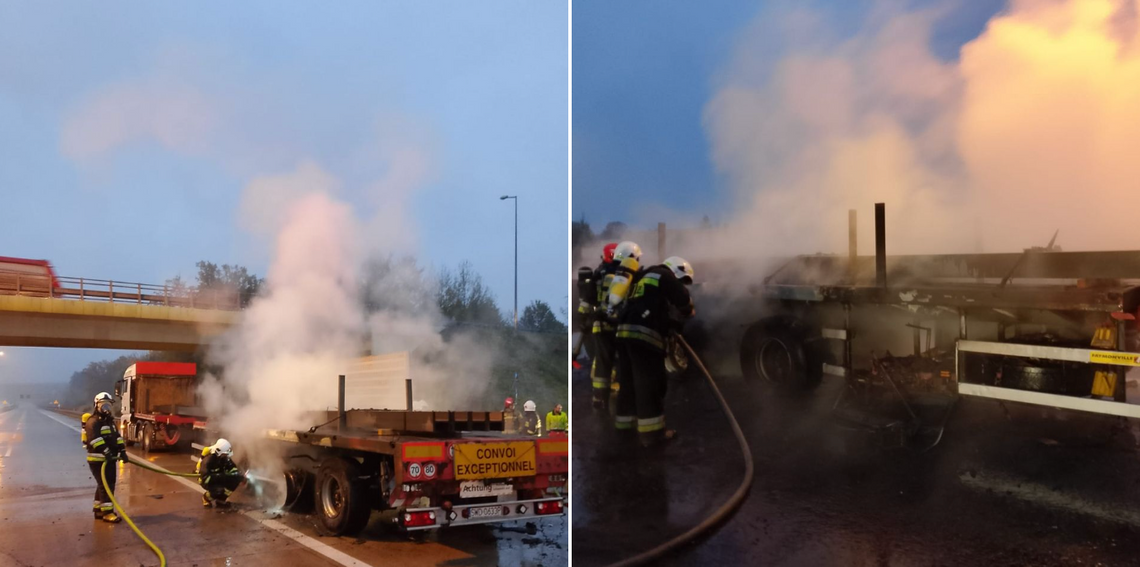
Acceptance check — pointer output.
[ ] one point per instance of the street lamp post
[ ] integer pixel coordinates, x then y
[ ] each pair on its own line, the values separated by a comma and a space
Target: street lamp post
516, 200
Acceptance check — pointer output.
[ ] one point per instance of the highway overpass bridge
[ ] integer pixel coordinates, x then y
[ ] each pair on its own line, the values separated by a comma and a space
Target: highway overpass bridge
86, 313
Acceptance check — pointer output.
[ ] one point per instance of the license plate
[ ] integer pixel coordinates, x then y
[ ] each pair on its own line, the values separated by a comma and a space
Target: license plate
485, 512
479, 489
494, 460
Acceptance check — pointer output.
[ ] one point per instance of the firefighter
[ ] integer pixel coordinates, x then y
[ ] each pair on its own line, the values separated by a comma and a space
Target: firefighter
589, 293
512, 421
557, 421
603, 369
583, 316
218, 474
659, 300
532, 425
104, 445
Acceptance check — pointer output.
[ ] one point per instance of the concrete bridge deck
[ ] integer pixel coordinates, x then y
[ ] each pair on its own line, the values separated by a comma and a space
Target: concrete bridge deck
53, 322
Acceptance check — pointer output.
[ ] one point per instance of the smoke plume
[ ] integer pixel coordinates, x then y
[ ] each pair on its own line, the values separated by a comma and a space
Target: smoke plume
1027, 132
334, 292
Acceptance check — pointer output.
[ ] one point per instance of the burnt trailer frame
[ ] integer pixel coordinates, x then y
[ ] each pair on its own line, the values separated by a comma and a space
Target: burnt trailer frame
1087, 289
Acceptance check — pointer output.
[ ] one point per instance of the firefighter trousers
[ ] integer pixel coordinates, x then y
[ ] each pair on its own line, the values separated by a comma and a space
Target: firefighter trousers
642, 385
102, 504
220, 487
602, 370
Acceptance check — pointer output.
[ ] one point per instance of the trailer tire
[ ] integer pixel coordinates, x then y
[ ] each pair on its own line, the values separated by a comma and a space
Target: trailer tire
782, 351
148, 439
341, 497
299, 497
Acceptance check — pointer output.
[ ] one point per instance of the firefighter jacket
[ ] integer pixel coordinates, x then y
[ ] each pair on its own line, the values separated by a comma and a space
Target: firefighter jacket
101, 438
557, 422
603, 277
658, 301
532, 425
213, 467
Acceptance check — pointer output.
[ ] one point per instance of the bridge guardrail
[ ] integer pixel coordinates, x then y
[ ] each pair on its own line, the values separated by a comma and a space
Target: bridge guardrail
89, 289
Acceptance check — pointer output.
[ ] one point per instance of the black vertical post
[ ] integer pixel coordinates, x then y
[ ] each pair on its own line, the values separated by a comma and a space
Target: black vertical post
661, 242
852, 245
342, 422
881, 245
408, 391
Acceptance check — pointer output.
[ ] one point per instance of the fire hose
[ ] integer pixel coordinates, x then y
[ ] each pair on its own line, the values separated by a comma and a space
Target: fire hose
130, 522
726, 509
123, 513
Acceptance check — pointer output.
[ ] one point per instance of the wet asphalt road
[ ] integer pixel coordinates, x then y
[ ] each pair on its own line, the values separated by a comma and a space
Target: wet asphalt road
1032, 487
45, 518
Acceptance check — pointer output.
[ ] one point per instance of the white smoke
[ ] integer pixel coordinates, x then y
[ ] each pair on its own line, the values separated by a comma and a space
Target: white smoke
282, 359
1029, 131
333, 293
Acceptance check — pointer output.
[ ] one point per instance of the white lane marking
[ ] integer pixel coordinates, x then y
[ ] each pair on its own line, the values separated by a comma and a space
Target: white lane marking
1042, 495
321, 548
329, 552
8, 453
62, 420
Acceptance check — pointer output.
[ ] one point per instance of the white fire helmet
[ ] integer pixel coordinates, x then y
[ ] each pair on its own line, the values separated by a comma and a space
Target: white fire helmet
529, 406
103, 397
627, 249
681, 268
222, 447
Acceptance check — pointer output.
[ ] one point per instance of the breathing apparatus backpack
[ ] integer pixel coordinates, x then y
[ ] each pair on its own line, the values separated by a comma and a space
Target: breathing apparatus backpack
619, 288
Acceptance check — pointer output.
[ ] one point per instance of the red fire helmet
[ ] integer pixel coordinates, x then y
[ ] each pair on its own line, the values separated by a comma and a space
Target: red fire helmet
608, 252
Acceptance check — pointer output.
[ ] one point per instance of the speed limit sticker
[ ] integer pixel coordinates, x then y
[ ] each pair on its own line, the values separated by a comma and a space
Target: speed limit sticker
414, 470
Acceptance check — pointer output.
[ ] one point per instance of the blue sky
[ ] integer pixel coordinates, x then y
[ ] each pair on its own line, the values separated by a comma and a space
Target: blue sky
644, 72
130, 130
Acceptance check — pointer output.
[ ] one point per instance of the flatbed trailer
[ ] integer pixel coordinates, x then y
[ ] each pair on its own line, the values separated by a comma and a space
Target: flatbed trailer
1043, 327
435, 469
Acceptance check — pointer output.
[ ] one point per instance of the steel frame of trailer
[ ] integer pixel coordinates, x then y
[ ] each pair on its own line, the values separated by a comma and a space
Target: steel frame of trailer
1117, 302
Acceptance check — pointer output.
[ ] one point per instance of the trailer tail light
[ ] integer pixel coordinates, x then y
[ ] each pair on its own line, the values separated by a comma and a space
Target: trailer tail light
419, 519
547, 508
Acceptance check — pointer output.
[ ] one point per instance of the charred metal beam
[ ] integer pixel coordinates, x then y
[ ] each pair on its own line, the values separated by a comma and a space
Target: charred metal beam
881, 245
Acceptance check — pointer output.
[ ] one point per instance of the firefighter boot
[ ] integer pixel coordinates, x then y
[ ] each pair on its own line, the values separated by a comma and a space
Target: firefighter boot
111, 518
206, 503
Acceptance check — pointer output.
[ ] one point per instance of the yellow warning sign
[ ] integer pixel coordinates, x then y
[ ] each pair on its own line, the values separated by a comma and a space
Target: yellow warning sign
494, 460
1117, 358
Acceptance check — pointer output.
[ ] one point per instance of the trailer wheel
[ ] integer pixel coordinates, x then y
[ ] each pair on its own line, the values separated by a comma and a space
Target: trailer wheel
781, 351
299, 491
148, 438
342, 497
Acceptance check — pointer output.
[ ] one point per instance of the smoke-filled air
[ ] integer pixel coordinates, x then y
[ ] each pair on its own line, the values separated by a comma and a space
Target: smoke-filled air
332, 294
1032, 129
